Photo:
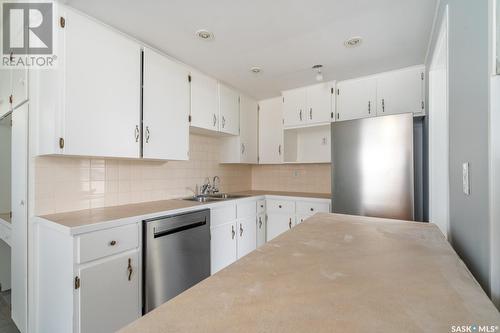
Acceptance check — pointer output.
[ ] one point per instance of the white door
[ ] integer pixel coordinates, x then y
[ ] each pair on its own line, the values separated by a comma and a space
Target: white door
222, 246
295, 111
165, 108
356, 99
278, 224
229, 110
261, 229
204, 102
247, 236
400, 91
271, 131
319, 103
102, 86
19, 240
248, 134
439, 174
108, 297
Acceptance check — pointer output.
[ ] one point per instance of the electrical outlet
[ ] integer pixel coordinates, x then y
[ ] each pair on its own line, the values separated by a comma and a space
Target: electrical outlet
465, 178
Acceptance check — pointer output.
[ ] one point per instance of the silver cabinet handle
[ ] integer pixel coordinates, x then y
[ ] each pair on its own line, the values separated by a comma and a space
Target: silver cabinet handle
260, 222
223, 121
383, 105
147, 134
311, 113
241, 230
112, 243
300, 114
290, 223
232, 232
369, 107
136, 133
279, 149
130, 269
242, 148
215, 119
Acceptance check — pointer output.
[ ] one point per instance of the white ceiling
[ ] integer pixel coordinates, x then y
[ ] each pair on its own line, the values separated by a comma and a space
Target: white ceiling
284, 37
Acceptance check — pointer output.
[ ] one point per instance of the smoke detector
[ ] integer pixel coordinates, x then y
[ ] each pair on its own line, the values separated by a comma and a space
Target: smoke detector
256, 69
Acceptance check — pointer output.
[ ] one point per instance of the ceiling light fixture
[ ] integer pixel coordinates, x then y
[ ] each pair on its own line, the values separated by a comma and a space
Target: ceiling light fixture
255, 69
205, 34
319, 75
353, 42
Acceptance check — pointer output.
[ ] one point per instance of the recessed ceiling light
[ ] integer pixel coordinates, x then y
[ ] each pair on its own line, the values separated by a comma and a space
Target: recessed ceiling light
205, 34
255, 70
353, 42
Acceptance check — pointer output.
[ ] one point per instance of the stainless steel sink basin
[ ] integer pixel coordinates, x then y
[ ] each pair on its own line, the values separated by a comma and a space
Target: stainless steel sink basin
213, 197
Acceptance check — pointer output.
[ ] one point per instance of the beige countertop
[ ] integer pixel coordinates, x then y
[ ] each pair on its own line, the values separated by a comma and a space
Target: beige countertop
98, 215
334, 273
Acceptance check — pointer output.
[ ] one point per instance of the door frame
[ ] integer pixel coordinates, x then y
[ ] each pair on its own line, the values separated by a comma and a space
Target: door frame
438, 131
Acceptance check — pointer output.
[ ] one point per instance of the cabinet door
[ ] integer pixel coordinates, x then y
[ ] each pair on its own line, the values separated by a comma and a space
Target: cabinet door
204, 102
271, 131
108, 297
356, 99
278, 224
247, 236
261, 229
222, 246
294, 107
319, 103
400, 91
229, 110
102, 90
248, 130
165, 108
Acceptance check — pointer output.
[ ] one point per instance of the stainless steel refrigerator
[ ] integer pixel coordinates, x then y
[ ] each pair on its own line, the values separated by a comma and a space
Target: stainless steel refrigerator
373, 167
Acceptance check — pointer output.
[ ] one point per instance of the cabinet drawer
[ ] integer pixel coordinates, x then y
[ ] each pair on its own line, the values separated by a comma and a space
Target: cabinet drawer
310, 208
103, 243
246, 209
283, 206
222, 214
261, 206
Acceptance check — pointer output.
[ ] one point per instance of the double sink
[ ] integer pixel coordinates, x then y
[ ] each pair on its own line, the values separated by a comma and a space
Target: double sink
214, 197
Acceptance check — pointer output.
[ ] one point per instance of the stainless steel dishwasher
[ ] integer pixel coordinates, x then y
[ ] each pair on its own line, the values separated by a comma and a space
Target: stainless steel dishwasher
176, 255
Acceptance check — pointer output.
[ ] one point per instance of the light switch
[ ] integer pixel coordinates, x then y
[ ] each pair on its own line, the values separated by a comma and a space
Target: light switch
465, 178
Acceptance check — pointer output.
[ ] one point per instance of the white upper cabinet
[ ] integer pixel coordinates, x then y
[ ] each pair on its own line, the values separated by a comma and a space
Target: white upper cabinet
320, 102
102, 90
294, 107
5, 91
401, 91
165, 108
204, 102
308, 105
356, 99
229, 110
243, 148
271, 131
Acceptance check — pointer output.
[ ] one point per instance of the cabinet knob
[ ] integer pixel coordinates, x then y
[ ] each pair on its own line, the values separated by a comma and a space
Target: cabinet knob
279, 206
312, 209
112, 243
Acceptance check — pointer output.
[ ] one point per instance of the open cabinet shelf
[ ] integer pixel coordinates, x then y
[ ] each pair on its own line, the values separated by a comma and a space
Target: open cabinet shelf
307, 144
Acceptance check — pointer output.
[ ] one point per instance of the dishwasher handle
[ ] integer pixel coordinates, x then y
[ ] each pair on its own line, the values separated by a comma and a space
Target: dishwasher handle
174, 230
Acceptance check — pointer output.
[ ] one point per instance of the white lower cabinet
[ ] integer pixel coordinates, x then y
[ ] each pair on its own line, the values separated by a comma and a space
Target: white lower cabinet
247, 236
100, 295
108, 295
278, 223
222, 246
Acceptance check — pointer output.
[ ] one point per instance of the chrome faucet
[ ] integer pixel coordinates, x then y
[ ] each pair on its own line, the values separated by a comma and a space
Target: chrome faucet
206, 188
215, 184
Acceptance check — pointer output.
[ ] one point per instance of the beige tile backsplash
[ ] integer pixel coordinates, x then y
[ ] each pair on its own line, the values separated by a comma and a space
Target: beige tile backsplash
292, 177
70, 183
